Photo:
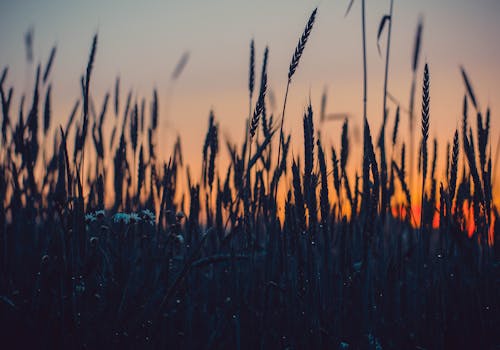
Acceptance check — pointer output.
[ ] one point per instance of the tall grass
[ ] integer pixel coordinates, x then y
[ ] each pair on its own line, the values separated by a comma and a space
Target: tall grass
129, 251
297, 54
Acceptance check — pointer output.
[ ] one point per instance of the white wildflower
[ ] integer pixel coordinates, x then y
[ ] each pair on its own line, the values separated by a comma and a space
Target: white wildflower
90, 217
134, 217
148, 216
100, 214
121, 217
93, 216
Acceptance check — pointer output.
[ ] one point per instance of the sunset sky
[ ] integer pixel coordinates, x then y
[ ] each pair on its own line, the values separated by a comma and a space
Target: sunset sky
142, 41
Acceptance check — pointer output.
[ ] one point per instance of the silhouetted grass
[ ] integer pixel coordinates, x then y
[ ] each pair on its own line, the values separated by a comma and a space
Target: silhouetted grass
212, 262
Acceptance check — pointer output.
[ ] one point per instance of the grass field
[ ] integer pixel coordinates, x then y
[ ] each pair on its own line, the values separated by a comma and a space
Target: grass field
104, 245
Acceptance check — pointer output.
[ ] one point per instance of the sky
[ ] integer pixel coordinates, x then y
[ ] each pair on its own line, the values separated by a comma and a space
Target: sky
142, 41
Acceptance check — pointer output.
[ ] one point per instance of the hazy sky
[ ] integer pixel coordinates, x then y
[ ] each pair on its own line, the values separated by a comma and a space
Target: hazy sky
142, 41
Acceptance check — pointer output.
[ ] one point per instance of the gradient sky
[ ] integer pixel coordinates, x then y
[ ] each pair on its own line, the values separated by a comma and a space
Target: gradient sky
142, 41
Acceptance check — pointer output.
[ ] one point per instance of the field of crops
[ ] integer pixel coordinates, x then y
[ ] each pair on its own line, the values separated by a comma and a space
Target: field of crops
105, 245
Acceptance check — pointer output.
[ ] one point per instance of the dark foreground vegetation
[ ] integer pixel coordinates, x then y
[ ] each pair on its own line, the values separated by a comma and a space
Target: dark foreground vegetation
209, 264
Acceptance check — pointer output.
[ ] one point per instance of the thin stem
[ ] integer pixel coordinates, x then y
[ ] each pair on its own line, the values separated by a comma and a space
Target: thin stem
364, 57
422, 202
247, 136
135, 176
411, 126
246, 184
281, 137
497, 155
387, 61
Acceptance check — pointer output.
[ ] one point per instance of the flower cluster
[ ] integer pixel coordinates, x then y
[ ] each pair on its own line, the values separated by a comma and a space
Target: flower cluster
131, 218
146, 216
93, 216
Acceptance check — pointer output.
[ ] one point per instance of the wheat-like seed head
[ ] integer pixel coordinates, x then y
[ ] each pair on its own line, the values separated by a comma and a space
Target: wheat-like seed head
301, 44
47, 110
259, 108
251, 69
454, 167
49, 64
425, 118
